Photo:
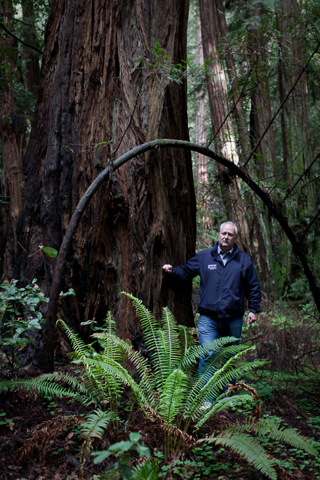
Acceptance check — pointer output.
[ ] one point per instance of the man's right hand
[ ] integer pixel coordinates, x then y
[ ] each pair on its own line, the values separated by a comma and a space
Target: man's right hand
167, 268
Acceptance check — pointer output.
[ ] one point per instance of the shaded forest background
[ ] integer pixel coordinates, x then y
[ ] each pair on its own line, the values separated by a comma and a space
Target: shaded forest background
80, 86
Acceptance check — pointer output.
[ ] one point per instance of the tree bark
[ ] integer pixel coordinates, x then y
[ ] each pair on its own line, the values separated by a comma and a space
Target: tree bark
295, 126
260, 114
31, 56
12, 134
201, 173
98, 99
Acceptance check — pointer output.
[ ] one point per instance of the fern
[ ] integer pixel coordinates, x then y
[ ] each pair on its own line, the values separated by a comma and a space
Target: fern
248, 448
146, 471
237, 439
173, 394
222, 404
96, 423
270, 429
154, 340
171, 338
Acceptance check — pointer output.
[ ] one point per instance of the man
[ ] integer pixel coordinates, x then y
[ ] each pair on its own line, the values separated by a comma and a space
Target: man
227, 277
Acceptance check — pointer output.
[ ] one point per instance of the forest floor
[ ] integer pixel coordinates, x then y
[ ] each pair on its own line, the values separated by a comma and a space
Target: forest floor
39, 436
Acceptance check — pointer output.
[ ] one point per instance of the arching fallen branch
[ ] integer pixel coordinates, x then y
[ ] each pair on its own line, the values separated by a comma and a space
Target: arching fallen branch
275, 210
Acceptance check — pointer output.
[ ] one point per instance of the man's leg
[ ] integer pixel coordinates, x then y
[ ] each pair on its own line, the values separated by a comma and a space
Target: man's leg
232, 328
211, 329
208, 331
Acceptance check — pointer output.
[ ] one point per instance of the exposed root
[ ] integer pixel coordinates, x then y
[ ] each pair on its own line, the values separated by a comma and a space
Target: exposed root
243, 386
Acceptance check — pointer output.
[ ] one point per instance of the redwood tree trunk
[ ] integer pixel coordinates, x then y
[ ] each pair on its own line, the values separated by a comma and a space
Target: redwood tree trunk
97, 100
12, 135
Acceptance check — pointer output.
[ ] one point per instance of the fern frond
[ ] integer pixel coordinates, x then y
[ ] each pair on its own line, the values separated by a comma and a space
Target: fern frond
81, 349
172, 344
109, 385
153, 339
139, 363
210, 384
195, 352
272, 430
219, 405
118, 371
249, 449
185, 338
172, 397
96, 423
42, 387
146, 471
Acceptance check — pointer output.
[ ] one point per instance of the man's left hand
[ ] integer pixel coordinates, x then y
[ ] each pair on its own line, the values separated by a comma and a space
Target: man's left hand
252, 317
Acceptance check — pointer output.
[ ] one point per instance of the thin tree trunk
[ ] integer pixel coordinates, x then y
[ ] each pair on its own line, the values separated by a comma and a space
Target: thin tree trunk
31, 56
201, 162
260, 114
12, 134
295, 126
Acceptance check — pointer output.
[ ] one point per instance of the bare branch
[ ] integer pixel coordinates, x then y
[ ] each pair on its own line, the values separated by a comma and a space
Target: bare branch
305, 231
19, 39
281, 105
298, 180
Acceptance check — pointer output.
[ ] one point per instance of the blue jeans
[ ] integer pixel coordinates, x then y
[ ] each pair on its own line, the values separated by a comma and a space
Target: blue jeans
211, 329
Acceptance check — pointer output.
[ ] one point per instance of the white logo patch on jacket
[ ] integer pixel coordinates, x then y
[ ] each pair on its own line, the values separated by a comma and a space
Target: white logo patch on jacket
212, 267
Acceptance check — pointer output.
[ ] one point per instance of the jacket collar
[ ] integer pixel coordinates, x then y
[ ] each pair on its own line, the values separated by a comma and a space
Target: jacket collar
216, 255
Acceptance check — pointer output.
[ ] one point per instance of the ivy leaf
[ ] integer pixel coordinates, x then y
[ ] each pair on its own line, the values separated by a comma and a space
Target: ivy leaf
51, 252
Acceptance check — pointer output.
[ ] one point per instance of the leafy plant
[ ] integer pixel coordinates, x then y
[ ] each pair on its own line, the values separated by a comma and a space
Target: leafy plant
148, 470
19, 318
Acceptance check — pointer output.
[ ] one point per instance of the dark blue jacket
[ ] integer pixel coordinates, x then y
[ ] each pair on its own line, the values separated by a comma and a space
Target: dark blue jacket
223, 288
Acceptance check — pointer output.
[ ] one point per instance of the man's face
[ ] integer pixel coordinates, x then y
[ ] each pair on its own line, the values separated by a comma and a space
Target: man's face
227, 237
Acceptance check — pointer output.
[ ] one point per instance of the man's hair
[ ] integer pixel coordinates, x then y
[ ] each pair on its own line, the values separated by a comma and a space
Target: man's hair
231, 223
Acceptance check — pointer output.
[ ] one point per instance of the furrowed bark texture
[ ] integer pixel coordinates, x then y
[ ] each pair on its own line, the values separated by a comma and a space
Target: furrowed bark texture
98, 100
12, 135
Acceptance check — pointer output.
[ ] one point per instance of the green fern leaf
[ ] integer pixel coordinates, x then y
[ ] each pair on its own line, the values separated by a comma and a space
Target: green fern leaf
219, 405
171, 339
96, 423
172, 397
289, 435
154, 339
146, 471
248, 448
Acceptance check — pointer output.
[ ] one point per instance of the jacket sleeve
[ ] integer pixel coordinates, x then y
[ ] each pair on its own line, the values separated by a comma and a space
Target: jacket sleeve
252, 290
187, 271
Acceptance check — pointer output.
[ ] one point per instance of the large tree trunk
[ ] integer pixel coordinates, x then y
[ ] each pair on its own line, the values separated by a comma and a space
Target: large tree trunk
97, 100
12, 134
